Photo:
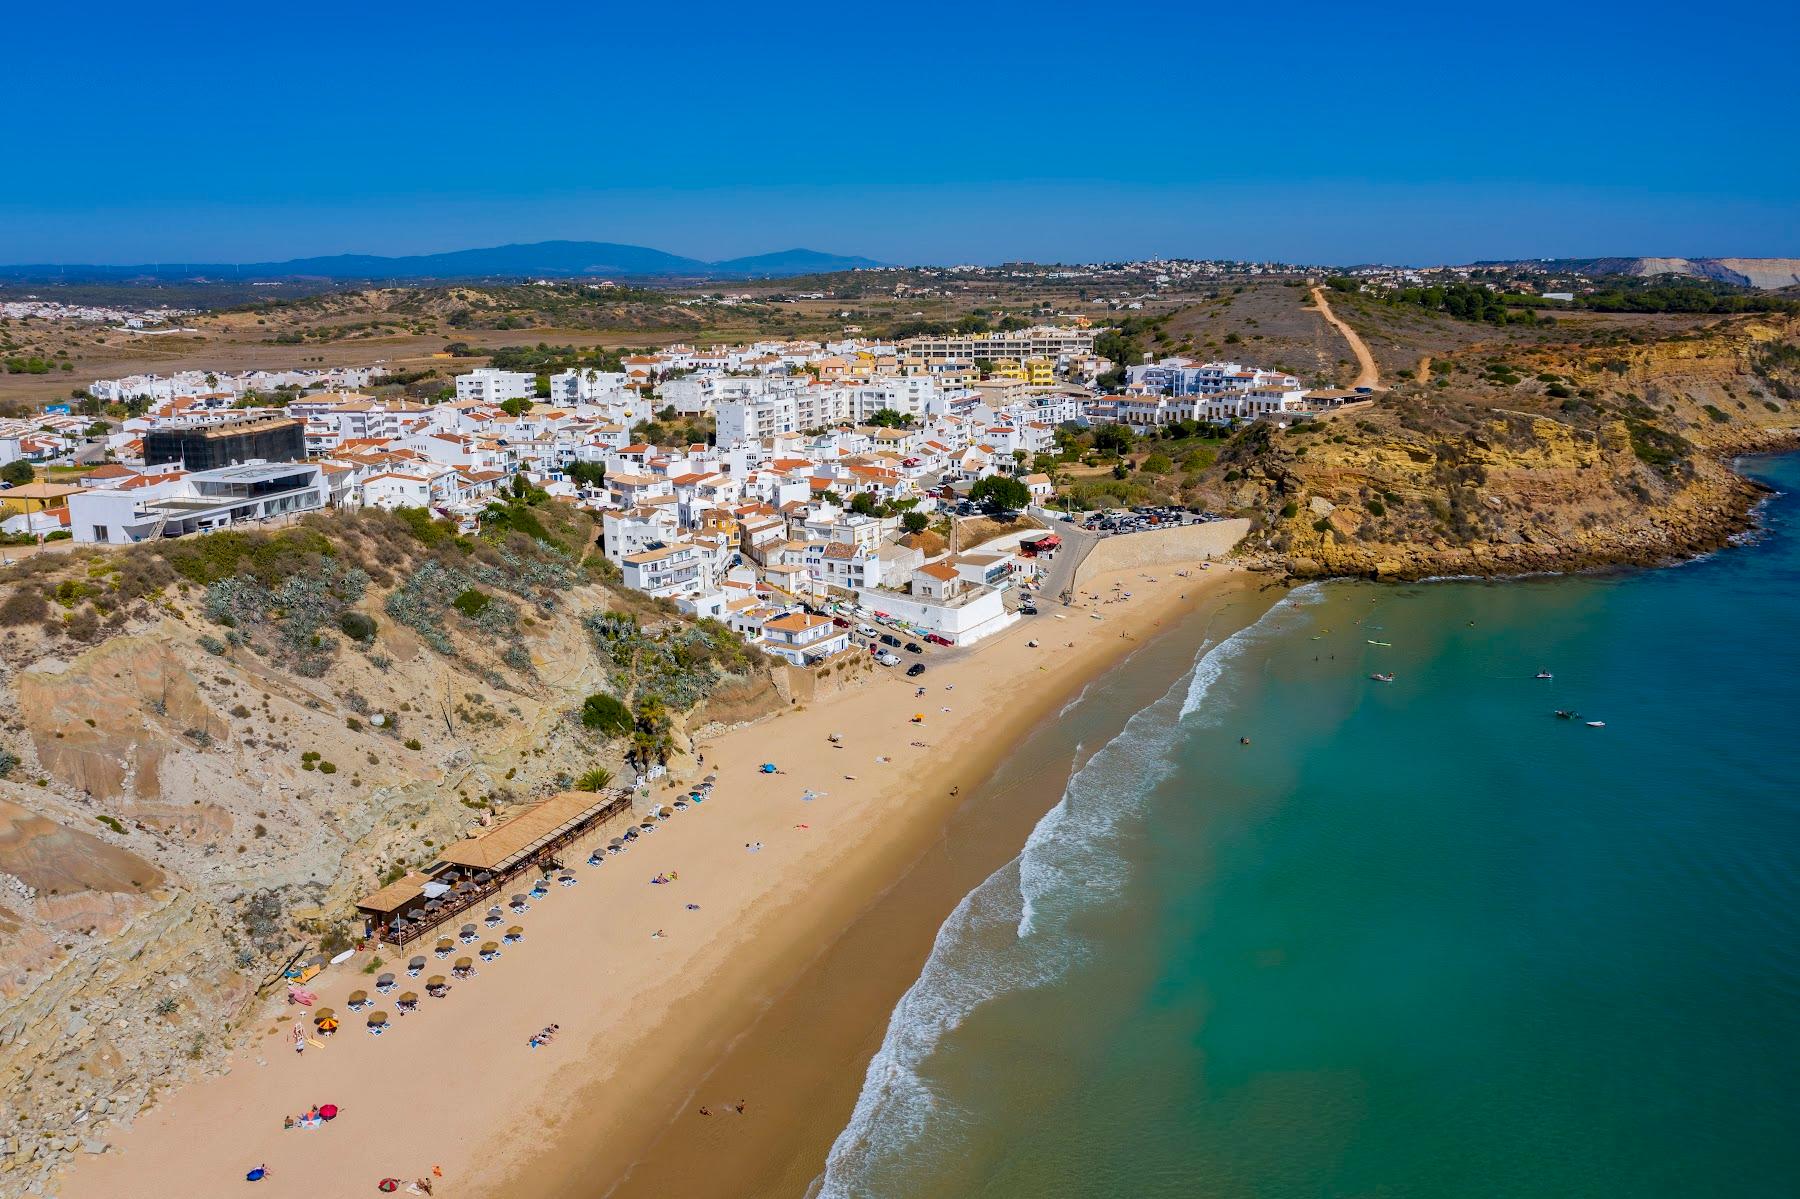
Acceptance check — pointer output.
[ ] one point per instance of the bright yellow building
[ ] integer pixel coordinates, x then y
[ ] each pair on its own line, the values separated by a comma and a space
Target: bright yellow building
37, 496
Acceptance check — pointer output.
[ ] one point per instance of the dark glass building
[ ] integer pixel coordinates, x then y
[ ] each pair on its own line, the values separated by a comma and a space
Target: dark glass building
207, 447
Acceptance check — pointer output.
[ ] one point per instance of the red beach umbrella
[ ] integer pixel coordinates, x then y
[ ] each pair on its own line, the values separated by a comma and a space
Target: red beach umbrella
328, 1112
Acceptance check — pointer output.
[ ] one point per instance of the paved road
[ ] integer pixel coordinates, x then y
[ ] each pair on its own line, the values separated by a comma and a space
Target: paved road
1059, 580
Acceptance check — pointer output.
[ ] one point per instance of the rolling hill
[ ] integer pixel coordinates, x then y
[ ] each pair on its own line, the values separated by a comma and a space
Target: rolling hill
553, 259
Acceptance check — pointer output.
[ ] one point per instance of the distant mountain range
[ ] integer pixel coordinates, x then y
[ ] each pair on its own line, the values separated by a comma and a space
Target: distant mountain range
1766, 273
544, 259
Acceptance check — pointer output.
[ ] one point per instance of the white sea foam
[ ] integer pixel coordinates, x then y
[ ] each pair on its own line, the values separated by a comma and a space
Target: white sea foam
1213, 666
1012, 932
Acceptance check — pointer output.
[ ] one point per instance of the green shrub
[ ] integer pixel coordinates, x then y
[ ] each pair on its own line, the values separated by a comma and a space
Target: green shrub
1321, 525
1375, 507
606, 714
413, 743
357, 626
1717, 415
427, 528
471, 603
111, 823
327, 768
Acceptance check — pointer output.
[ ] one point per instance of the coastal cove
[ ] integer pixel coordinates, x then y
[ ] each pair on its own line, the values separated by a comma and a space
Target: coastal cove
1417, 938
773, 875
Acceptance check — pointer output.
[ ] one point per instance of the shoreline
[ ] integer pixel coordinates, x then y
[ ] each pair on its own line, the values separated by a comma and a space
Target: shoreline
801, 1061
455, 1086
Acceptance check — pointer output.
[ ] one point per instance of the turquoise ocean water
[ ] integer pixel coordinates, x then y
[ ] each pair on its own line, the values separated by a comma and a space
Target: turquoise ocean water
1416, 939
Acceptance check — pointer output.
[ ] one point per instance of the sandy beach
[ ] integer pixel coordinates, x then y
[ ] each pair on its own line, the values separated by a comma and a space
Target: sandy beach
773, 878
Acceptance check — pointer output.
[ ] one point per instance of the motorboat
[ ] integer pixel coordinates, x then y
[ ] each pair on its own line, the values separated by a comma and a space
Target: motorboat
1543, 674
1566, 714
1596, 724
1382, 678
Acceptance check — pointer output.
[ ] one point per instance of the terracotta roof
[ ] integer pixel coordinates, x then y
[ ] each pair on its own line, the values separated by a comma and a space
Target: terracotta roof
796, 622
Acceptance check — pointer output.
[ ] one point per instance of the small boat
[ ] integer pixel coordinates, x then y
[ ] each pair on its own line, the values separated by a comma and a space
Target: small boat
1566, 714
1388, 644
1596, 724
1382, 678
1543, 674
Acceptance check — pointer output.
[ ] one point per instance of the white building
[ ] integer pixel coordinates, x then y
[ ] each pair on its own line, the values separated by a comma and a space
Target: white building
177, 504
489, 386
586, 385
803, 639
941, 602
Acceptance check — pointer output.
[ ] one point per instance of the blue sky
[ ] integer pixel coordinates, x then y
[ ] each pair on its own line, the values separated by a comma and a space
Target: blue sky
925, 133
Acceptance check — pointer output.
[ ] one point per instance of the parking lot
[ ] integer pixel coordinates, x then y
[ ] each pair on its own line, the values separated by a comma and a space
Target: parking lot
1141, 519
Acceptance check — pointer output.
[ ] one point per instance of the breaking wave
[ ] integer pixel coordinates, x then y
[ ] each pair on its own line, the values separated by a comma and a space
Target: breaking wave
1012, 932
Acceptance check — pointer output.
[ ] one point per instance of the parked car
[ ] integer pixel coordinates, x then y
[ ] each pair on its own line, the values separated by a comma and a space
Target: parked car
915, 670
938, 639
868, 630
913, 647
887, 660
1028, 608
890, 639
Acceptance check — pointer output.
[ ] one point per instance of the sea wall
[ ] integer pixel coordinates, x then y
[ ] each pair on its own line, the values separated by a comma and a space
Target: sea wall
1162, 547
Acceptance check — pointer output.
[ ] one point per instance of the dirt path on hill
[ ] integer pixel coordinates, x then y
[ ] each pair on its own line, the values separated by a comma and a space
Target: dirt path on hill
1424, 375
1367, 374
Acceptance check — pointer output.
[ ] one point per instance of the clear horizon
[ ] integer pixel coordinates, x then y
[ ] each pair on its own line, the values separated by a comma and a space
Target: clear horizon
1412, 136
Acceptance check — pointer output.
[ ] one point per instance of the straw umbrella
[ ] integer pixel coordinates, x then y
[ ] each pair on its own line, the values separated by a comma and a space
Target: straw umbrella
415, 965
358, 997
489, 946
324, 1013
465, 963
377, 1019
384, 982
466, 933
444, 946
515, 933
434, 985
409, 999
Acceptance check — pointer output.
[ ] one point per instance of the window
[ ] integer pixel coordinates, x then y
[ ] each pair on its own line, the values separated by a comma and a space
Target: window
100, 533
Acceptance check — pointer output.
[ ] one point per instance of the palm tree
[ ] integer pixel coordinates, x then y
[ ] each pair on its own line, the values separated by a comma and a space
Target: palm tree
594, 780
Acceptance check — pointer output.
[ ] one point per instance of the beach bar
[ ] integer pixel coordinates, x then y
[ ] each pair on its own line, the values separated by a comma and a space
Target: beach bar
468, 872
